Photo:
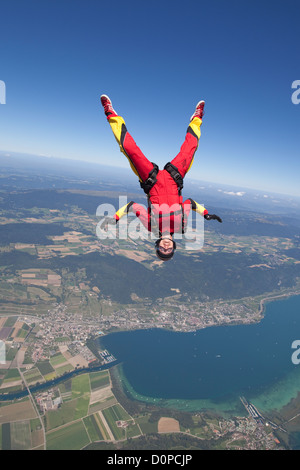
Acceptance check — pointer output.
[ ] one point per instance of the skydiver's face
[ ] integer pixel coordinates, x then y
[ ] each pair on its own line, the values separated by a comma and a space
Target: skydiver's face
166, 246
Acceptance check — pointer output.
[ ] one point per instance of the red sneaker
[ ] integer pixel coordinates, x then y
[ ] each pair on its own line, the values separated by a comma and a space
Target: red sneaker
107, 105
199, 111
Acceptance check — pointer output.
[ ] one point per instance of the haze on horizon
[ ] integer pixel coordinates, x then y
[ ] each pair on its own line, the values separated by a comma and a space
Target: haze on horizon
156, 62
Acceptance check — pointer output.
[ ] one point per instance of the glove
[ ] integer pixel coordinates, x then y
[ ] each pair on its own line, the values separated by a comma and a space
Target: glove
213, 217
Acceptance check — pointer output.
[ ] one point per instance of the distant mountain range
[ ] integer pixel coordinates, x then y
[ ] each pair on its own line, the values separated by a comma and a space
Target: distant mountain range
49, 172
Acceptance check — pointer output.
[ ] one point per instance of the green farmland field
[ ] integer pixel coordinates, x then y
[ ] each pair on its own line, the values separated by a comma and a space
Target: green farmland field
70, 437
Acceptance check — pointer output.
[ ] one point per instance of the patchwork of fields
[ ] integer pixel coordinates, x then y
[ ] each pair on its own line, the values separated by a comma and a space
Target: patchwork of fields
87, 412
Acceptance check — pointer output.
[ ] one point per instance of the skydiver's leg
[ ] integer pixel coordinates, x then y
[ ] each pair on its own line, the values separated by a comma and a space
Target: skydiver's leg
184, 160
137, 160
140, 165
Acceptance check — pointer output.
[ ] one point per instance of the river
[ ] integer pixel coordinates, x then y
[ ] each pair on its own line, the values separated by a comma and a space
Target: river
51, 383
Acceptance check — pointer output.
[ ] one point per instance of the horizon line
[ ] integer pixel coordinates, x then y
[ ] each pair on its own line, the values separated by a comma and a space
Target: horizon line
92, 162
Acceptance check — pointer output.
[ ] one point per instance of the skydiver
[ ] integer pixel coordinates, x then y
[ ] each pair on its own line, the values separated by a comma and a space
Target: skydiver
163, 187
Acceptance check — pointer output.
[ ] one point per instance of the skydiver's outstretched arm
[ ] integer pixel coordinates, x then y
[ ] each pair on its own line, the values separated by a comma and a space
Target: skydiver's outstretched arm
201, 210
138, 210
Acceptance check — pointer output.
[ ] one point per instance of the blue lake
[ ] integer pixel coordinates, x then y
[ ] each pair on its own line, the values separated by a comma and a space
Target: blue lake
212, 367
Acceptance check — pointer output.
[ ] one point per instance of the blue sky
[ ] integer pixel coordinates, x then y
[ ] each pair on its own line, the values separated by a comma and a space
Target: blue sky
156, 60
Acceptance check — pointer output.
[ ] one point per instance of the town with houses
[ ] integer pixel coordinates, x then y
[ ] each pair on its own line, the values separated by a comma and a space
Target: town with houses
66, 333
74, 330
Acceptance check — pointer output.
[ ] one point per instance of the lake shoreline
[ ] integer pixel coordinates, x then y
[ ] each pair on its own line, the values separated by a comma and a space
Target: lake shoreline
258, 315
265, 300
259, 387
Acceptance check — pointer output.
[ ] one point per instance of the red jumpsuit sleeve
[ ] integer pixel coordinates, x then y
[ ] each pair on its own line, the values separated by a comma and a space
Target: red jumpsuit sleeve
142, 214
138, 210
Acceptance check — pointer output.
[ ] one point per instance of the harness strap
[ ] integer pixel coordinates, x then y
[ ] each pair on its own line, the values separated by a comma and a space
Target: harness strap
151, 180
148, 184
173, 170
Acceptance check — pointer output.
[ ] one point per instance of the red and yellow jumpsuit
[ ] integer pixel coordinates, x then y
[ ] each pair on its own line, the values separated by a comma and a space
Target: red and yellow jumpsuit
164, 199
